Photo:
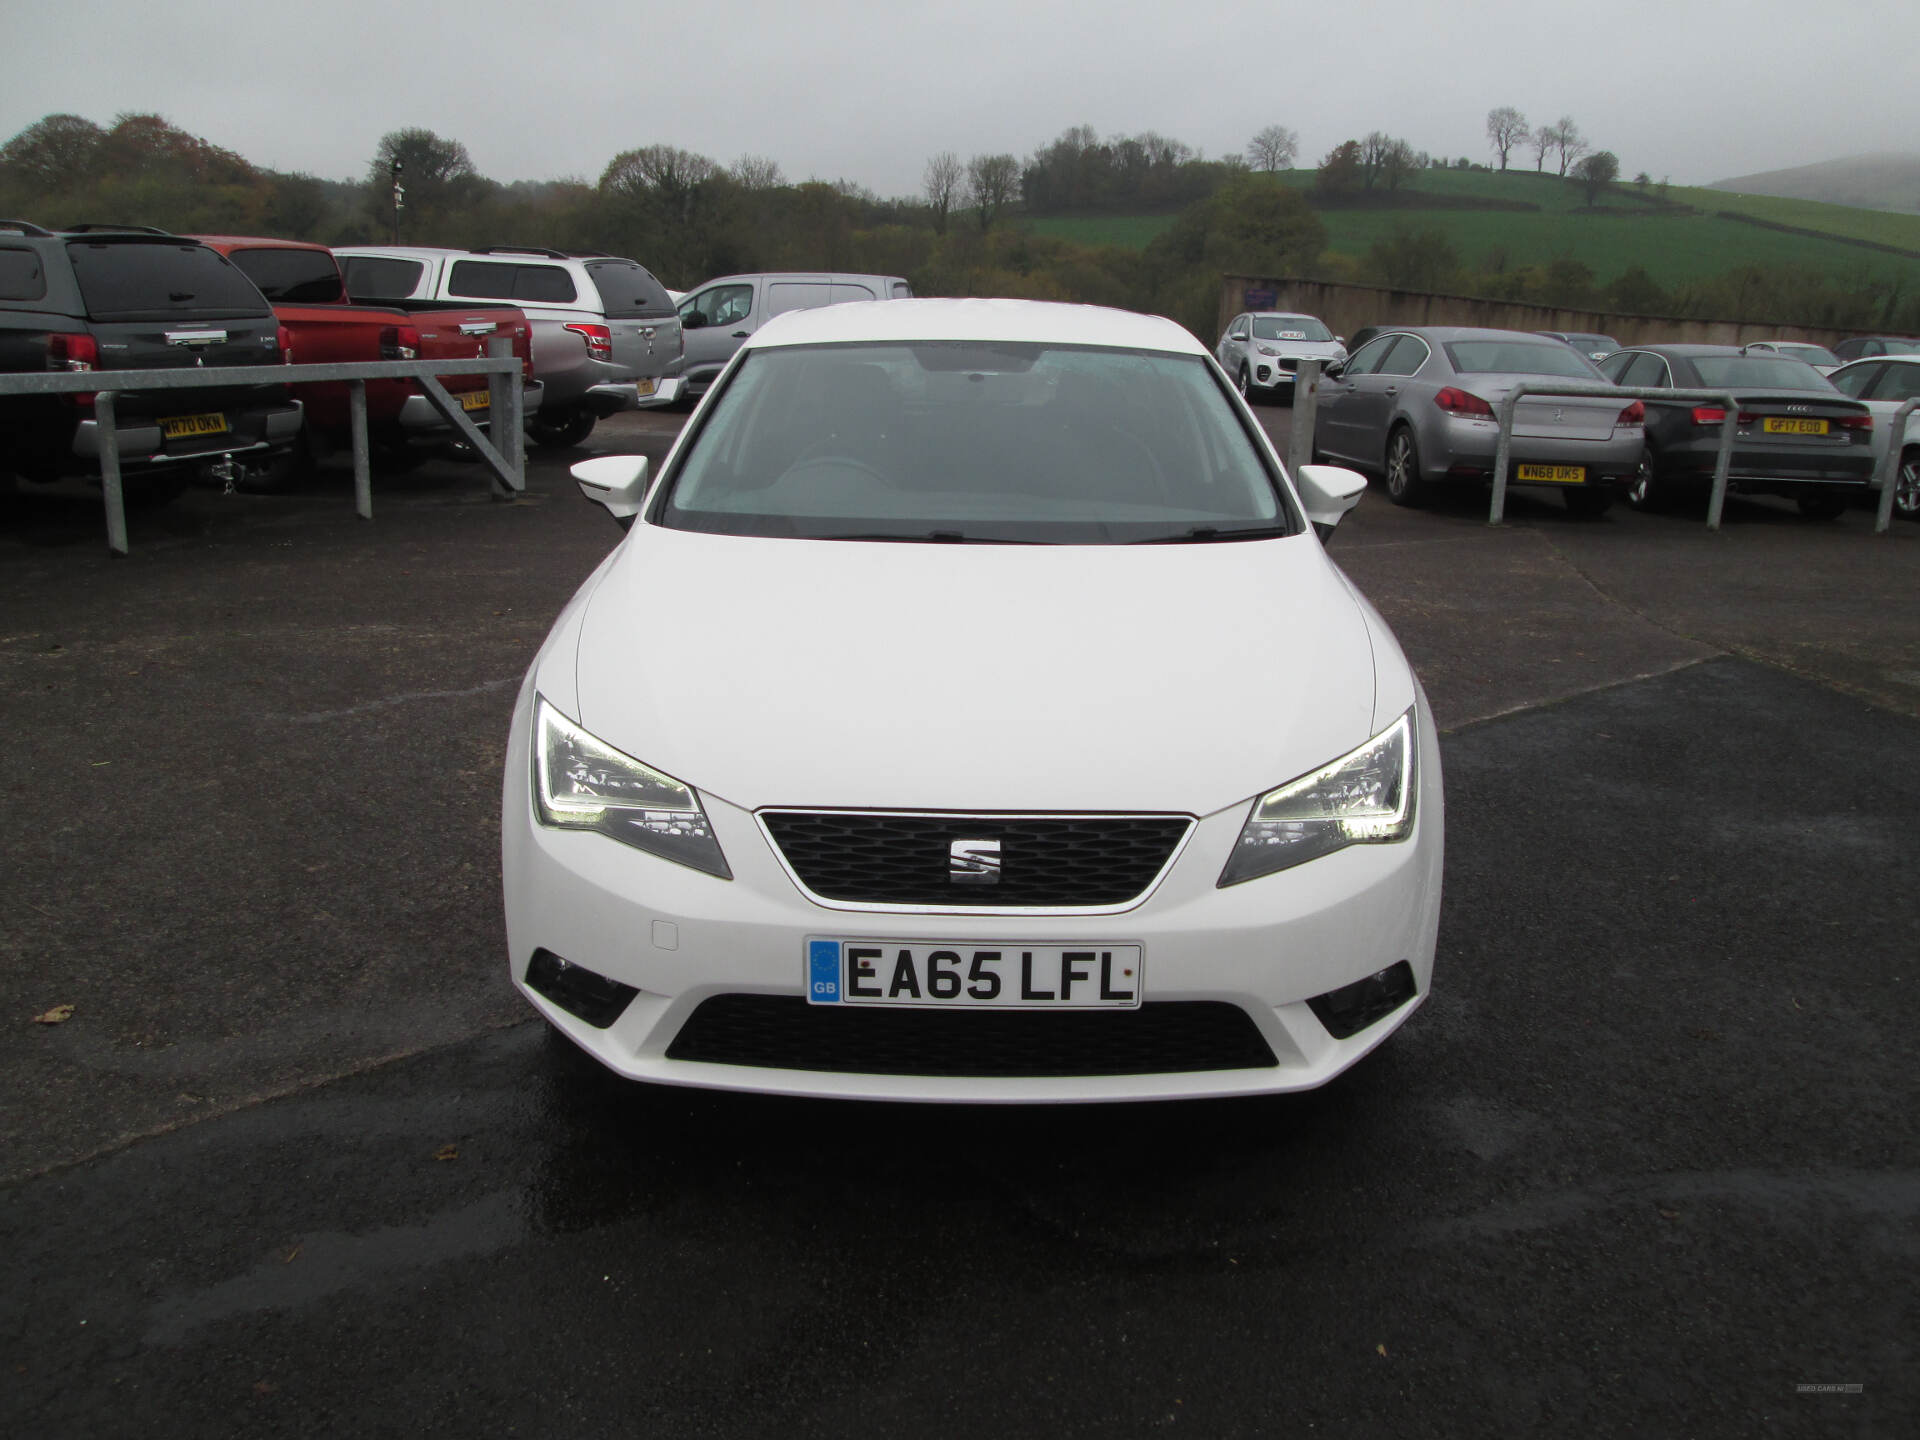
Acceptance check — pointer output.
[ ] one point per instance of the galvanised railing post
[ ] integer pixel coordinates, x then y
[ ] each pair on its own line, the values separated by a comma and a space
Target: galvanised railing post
1306, 412
1890, 466
362, 452
112, 493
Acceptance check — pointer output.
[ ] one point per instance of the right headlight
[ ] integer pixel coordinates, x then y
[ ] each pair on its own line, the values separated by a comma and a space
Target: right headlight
1363, 798
582, 783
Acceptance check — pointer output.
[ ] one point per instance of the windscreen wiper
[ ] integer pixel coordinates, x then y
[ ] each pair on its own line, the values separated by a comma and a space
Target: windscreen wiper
936, 537
1202, 534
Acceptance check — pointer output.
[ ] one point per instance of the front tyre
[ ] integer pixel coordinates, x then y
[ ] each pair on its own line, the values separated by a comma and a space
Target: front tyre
1404, 485
1243, 382
557, 432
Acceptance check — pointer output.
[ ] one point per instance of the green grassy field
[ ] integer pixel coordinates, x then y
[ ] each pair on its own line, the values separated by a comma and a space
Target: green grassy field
1674, 248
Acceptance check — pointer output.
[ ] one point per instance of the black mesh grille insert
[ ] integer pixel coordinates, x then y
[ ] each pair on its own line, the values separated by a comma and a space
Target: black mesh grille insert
865, 858
785, 1032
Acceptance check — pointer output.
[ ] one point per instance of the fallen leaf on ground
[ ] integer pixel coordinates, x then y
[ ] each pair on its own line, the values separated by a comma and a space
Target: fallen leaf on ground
1382, 1350
447, 1152
58, 1015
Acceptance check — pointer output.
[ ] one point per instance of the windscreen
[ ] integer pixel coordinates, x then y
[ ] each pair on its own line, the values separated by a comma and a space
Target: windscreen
292, 277
1587, 344
983, 442
1516, 357
139, 280
1769, 372
1290, 327
627, 290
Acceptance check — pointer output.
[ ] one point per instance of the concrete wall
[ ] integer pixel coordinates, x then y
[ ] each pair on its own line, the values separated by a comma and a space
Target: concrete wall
1348, 307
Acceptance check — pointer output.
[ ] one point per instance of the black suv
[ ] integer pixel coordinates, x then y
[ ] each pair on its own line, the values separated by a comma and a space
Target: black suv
98, 298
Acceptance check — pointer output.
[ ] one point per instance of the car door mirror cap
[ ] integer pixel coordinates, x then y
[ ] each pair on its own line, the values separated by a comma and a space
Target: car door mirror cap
617, 482
1328, 492
1333, 369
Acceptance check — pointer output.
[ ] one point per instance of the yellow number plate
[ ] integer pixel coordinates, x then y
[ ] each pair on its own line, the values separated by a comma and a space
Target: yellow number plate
1558, 474
476, 399
643, 388
179, 427
1777, 425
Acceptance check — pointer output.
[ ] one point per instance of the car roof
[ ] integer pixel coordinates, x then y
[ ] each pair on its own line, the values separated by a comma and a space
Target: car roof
1882, 359
828, 275
1461, 332
244, 242
1280, 315
1030, 321
1687, 352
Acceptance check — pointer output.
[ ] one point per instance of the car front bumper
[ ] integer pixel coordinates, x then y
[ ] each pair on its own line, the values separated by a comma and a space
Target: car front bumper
680, 937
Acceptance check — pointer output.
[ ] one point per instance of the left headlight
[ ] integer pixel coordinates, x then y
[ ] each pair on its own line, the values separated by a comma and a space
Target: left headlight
1266, 350
1363, 798
582, 783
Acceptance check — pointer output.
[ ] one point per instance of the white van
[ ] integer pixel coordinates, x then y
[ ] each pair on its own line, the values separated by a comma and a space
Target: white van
717, 317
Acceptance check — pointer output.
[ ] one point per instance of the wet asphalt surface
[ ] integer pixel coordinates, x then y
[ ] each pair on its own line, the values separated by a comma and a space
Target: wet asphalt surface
1645, 1162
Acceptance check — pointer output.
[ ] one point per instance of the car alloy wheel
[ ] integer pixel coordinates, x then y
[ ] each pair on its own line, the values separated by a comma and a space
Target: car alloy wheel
1404, 486
1244, 384
1640, 489
1906, 485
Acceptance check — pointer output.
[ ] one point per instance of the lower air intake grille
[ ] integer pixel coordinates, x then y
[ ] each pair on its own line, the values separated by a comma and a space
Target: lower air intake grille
784, 1032
867, 858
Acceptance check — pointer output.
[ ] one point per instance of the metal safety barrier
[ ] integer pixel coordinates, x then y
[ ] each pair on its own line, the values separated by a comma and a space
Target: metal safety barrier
1306, 413
507, 461
1502, 455
1890, 464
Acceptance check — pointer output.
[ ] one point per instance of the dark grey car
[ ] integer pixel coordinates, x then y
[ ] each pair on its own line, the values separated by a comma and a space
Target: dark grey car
1418, 406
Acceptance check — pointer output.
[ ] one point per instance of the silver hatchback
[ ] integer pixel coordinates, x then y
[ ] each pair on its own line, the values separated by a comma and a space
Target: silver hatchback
1418, 406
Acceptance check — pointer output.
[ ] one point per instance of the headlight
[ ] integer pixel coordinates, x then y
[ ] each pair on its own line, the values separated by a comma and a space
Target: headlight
1363, 798
1266, 350
582, 783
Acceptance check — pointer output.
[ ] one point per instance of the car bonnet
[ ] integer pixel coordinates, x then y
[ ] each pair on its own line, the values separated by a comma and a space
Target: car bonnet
795, 672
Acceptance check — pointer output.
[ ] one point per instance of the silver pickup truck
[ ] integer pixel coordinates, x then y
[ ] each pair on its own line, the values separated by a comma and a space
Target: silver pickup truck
604, 330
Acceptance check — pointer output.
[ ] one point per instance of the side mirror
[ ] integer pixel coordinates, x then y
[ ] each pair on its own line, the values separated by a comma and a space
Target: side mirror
1339, 339
693, 320
618, 482
1328, 491
1333, 369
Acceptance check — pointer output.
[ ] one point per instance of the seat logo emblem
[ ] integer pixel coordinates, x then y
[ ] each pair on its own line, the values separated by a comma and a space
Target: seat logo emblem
974, 862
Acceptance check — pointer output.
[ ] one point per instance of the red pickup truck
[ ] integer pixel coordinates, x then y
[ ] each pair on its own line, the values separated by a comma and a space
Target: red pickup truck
303, 284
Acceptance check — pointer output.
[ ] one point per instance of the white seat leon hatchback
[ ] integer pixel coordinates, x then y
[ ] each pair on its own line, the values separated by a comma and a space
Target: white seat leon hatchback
971, 713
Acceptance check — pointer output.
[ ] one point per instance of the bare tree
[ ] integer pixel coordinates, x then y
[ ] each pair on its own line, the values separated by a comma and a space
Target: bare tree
1397, 163
1542, 141
1596, 172
942, 184
991, 180
1506, 128
1382, 157
1568, 140
1274, 148
757, 172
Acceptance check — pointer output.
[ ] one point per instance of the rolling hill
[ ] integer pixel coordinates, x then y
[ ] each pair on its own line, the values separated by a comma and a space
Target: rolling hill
1871, 182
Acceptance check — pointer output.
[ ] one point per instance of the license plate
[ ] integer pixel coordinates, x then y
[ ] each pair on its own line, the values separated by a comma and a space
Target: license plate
1781, 425
1556, 474
179, 427
643, 388
963, 975
476, 399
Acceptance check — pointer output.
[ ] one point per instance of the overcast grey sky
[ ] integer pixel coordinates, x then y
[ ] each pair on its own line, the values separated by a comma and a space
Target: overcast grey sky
837, 88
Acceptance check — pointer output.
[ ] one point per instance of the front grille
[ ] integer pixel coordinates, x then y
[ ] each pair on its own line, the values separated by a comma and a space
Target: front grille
865, 858
1290, 363
784, 1032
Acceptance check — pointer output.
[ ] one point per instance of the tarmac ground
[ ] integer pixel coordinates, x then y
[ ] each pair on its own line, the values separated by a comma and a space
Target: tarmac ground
300, 1162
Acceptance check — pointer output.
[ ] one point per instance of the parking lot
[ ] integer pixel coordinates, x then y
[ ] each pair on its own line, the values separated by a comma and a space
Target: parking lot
300, 1161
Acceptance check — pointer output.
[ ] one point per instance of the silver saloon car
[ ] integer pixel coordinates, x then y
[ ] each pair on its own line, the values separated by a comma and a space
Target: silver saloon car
1419, 406
1262, 350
